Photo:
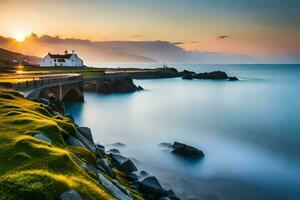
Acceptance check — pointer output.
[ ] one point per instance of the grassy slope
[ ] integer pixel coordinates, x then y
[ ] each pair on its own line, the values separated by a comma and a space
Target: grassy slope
31, 168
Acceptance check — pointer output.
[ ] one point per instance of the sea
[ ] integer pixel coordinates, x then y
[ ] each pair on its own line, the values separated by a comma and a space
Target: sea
249, 130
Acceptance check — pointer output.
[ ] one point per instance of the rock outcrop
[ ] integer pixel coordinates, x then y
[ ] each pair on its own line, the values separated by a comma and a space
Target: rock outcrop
120, 84
215, 75
186, 150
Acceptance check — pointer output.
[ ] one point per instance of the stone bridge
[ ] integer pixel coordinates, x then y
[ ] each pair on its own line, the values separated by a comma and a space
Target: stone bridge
63, 87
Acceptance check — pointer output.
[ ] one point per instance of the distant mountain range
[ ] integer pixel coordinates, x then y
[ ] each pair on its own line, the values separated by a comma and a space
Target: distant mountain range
95, 52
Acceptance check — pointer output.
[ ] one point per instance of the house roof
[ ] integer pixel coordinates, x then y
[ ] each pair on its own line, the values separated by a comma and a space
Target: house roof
63, 56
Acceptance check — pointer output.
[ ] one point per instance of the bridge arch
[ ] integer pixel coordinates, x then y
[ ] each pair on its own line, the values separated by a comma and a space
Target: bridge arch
72, 95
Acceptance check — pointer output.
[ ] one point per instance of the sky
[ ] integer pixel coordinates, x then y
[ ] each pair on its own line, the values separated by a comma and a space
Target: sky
248, 27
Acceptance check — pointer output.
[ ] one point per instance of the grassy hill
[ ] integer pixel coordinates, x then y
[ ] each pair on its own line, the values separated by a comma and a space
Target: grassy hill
33, 169
9, 59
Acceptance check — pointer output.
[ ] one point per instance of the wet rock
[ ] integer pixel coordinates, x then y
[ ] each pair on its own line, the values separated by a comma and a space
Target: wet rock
90, 169
43, 137
105, 166
118, 84
233, 78
87, 143
112, 189
151, 187
86, 132
186, 150
74, 141
124, 164
215, 75
139, 88
114, 151
132, 177
121, 187
70, 195
100, 150
171, 195
137, 175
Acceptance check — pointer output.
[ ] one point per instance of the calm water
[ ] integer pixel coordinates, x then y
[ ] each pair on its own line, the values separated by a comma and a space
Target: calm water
249, 131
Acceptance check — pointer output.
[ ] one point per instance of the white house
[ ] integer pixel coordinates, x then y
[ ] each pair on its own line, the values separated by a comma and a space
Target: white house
61, 60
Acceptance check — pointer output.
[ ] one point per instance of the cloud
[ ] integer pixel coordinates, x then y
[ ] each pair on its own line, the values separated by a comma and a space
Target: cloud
178, 43
96, 52
222, 37
137, 36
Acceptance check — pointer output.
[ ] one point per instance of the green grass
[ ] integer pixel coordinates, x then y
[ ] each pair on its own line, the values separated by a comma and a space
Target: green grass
33, 169
86, 72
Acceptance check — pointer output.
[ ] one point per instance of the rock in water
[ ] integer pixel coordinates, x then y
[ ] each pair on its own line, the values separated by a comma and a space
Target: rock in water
186, 150
216, 75
151, 187
70, 195
233, 78
124, 164
118, 84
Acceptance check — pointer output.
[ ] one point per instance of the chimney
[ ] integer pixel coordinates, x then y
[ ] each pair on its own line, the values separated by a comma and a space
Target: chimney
66, 52
73, 51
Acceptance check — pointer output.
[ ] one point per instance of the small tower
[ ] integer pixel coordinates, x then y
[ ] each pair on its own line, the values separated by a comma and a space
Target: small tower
73, 51
66, 52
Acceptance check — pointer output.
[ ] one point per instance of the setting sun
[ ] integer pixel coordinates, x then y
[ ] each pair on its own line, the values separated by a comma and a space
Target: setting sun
20, 37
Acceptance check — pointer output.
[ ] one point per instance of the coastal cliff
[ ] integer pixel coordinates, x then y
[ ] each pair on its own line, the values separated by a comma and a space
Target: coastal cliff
45, 155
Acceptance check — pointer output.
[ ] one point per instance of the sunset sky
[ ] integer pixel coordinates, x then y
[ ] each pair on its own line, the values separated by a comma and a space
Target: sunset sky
250, 27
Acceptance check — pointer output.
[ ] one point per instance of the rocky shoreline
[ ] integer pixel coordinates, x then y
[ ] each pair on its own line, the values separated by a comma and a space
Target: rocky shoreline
122, 82
110, 168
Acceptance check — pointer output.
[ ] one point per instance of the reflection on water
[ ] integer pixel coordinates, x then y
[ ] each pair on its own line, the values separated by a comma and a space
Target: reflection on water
249, 131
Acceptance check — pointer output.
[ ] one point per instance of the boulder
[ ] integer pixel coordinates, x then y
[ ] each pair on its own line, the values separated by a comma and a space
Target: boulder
123, 164
127, 167
121, 187
118, 84
87, 143
114, 151
186, 150
73, 141
171, 195
42, 137
112, 189
105, 166
137, 175
90, 169
70, 195
233, 78
151, 187
132, 177
86, 132
100, 150
216, 75
118, 159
